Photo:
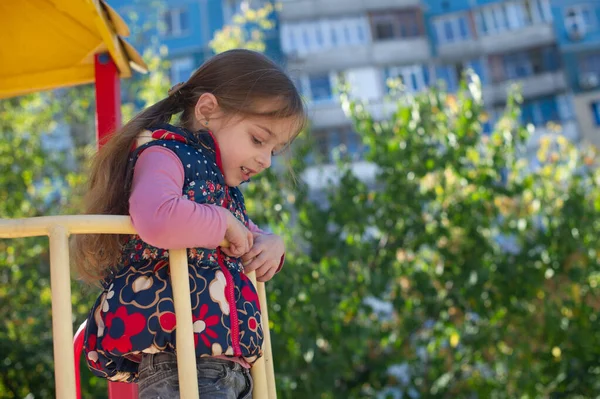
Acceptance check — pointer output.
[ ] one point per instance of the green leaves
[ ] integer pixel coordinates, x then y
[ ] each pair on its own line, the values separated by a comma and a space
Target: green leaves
247, 30
30, 179
462, 265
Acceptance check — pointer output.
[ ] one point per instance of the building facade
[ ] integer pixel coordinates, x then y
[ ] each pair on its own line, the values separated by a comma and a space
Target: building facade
550, 47
361, 42
577, 29
424, 41
185, 28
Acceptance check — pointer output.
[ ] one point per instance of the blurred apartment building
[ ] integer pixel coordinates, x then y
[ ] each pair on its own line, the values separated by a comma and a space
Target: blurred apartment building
185, 28
577, 30
552, 47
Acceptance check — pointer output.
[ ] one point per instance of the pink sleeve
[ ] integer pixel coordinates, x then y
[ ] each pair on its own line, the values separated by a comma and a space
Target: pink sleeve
161, 216
255, 229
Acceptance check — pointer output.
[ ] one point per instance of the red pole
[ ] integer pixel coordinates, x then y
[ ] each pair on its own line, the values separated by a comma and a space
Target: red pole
78, 347
108, 119
108, 97
122, 390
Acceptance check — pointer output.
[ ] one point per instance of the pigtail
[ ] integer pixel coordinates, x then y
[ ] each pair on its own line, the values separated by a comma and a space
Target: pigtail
110, 187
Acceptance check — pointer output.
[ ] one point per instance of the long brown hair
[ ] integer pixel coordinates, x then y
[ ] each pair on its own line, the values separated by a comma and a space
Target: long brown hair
239, 79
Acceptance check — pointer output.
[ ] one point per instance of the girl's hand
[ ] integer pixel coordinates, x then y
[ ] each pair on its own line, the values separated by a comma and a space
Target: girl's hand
265, 256
240, 239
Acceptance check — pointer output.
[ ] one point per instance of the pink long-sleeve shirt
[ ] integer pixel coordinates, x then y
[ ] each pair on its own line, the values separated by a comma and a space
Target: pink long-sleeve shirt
162, 216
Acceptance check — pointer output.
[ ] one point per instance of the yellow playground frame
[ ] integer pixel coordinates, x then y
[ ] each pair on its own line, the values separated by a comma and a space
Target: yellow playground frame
58, 229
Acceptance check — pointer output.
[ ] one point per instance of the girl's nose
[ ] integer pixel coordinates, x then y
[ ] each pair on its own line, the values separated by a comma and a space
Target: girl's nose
265, 160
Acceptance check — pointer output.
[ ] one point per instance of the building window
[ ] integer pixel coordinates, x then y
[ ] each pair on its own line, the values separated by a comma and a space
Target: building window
334, 39
522, 64
413, 78
360, 33
538, 11
347, 33
397, 25
175, 22
307, 41
566, 109
517, 65
354, 144
550, 59
590, 63
511, 15
310, 37
384, 28
544, 9
492, 19
541, 111
181, 69
463, 28
448, 31
451, 74
319, 36
596, 112
320, 88
477, 66
344, 139
582, 15
452, 28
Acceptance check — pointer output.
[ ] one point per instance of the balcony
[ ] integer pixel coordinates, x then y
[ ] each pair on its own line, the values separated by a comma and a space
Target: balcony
590, 131
531, 36
325, 115
532, 86
459, 51
319, 177
399, 51
332, 59
314, 9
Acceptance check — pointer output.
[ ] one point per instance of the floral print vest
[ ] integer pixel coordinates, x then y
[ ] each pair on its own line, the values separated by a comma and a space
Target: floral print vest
135, 312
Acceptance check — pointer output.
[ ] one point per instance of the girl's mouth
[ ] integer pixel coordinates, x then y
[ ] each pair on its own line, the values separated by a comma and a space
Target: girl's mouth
247, 172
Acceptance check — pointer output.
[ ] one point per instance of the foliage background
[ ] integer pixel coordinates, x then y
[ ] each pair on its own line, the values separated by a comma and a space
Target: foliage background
459, 272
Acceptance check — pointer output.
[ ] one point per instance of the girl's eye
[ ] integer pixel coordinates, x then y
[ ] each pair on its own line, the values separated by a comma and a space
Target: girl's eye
256, 141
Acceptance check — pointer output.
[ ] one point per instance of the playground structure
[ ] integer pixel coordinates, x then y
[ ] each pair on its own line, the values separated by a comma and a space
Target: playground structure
50, 44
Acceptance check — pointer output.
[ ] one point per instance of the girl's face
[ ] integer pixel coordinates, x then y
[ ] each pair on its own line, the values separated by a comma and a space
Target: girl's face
247, 144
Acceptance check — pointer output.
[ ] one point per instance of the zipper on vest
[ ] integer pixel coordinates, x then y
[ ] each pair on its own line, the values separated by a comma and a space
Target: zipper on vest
233, 317
230, 292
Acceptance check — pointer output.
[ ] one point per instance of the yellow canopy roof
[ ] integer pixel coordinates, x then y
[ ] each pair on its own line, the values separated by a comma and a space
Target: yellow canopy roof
46, 44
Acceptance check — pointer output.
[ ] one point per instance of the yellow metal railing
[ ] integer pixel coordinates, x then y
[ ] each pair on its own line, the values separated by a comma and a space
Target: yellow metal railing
58, 229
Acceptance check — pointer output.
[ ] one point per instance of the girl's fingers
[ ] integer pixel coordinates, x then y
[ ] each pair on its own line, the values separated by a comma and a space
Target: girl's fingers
250, 242
233, 251
228, 252
253, 253
256, 263
268, 273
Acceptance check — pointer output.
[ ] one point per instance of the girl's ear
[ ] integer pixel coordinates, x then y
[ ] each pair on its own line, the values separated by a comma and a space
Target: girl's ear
206, 107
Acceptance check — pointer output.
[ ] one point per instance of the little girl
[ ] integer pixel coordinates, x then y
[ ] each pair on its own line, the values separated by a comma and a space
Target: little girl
180, 185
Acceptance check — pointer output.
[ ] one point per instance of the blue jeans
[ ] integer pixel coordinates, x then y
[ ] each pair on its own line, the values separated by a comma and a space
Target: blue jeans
217, 378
